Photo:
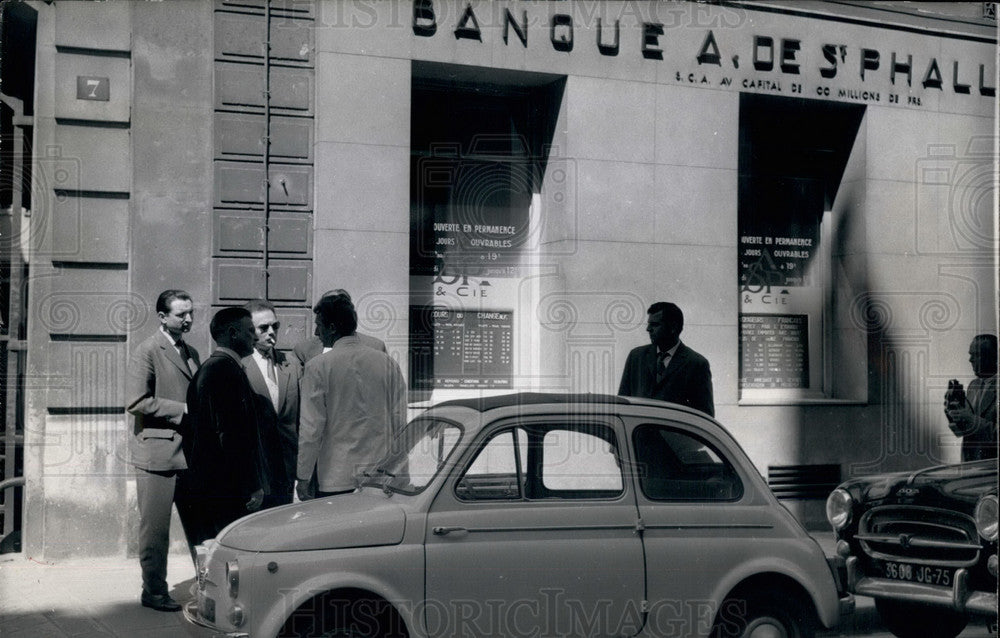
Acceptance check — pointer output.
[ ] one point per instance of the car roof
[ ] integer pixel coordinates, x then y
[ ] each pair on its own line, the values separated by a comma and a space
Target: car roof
526, 403
524, 399
483, 404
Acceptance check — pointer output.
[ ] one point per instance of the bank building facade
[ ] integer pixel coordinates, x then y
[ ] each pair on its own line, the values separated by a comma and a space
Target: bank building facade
503, 188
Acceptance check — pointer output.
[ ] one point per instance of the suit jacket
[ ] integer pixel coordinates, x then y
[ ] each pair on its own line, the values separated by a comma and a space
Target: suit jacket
155, 390
279, 428
688, 380
224, 450
309, 348
981, 441
353, 404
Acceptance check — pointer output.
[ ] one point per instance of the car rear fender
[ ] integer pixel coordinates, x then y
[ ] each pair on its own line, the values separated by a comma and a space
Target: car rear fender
813, 575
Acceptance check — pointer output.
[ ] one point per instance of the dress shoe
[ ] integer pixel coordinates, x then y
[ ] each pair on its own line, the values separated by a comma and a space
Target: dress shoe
160, 602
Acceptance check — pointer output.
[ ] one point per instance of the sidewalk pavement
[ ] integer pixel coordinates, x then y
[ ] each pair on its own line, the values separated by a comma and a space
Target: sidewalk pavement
91, 598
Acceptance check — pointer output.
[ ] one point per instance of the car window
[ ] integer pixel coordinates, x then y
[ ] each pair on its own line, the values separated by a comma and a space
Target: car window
545, 461
574, 461
496, 472
417, 455
675, 465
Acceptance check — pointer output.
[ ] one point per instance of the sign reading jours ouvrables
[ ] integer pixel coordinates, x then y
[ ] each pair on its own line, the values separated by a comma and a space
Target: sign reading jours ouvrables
768, 260
774, 351
461, 348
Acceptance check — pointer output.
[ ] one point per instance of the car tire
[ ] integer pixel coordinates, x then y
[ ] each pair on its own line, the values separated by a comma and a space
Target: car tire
358, 618
909, 620
764, 616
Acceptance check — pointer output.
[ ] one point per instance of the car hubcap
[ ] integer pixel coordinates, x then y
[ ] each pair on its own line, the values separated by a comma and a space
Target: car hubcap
766, 628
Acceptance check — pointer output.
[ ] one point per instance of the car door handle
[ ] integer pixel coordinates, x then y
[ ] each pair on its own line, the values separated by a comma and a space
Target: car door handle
444, 531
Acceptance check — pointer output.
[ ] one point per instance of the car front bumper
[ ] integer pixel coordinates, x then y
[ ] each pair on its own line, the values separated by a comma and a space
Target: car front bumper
847, 602
957, 597
191, 614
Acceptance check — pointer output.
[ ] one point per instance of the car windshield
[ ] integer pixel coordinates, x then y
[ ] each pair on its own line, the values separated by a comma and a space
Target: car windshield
419, 452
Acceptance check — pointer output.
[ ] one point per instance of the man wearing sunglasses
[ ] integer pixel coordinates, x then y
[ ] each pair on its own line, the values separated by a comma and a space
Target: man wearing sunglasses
275, 378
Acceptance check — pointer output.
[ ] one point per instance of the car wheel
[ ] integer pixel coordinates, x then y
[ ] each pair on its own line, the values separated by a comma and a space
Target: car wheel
327, 617
909, 620
764, 617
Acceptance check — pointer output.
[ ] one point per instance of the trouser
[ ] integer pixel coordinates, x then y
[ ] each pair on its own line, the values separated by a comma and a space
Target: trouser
196, 518
282, 497
155, 495
203, 517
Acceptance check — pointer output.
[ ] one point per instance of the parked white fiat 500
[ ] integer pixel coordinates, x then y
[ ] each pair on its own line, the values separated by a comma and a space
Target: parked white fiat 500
533, 515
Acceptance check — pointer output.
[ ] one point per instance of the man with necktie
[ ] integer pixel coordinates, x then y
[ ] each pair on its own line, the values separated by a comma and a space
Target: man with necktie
159, 371
274, 376
667, 369
975, 419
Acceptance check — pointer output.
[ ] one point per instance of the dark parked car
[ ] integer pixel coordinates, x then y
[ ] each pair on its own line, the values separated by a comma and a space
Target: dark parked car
922, 544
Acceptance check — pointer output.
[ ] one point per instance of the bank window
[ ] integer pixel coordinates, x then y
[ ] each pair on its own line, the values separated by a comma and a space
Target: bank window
677, 466
480, 150
797, 341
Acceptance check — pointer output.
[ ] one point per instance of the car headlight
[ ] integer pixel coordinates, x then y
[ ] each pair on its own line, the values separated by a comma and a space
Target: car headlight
986, 517
233, 577
838, 508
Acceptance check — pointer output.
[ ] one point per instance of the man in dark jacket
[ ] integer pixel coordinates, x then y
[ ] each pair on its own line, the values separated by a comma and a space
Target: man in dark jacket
975, 418
667, 369
227, 475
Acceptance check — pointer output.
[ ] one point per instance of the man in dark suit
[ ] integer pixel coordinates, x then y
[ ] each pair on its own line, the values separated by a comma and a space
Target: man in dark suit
274, 376
667, 369
227, 475
309, 348
975, 418
159, 371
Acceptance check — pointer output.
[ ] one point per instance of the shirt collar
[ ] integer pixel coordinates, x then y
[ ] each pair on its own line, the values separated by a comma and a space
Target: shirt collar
671, 352
169, 336
349, 339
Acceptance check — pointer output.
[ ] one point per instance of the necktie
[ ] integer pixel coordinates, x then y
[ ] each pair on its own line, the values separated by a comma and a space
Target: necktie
271, 374
661, 368
185, 355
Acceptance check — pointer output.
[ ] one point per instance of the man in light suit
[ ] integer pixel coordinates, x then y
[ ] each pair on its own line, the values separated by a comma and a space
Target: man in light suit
159, 371
309, 348
228, 476
274, 376
667, 369
353, 404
